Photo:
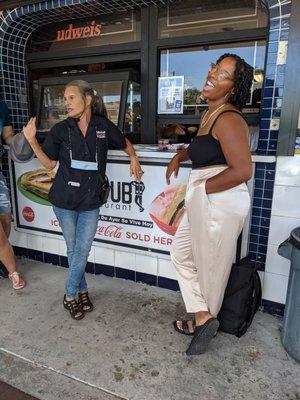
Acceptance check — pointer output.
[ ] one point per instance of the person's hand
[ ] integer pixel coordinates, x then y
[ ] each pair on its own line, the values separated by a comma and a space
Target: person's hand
135, 168
173, 167
179, 131
29, 130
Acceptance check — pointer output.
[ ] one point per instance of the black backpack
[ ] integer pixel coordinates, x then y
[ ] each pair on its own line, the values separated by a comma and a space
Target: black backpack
241, 299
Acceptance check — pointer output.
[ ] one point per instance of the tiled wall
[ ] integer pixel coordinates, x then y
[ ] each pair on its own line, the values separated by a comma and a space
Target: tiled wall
261, 211
15, 28
153, 269
274, 75
285, 216
267, 144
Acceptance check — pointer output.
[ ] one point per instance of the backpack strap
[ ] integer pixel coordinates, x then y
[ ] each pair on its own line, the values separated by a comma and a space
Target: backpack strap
256, 302
223, 112
238, 248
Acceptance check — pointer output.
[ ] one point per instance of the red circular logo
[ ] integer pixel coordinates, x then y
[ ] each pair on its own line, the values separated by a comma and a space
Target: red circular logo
28, 214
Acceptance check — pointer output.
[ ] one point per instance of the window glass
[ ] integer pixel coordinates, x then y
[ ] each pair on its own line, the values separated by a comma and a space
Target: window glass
111, 94
194, 17
193, 63
132, 125
53, 105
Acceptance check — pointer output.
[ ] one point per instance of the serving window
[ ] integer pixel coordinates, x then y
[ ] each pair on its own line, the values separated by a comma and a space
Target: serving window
53, 105
119, 90
193, 63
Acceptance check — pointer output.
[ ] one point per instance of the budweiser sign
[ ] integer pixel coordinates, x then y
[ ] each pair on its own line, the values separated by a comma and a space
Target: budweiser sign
81, 32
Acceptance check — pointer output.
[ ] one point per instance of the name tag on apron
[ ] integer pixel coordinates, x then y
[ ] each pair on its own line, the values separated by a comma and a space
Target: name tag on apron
84, 165
76, 184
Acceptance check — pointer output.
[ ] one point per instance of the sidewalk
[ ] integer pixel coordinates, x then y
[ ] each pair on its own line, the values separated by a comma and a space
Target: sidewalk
126, 348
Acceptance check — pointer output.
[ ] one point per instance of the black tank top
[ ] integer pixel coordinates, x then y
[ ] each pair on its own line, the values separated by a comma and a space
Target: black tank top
205, 150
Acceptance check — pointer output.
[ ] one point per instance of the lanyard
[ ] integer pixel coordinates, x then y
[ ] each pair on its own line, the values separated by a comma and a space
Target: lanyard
80, 164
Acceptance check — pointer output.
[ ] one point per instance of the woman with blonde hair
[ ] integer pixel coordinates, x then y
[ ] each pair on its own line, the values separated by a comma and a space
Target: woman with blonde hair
79, 144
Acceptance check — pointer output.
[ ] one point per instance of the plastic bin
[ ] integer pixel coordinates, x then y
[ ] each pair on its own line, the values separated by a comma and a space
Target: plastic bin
290, 249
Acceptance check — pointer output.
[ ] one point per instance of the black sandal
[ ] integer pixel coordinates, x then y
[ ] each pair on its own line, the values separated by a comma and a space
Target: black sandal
72, 307
84, 302
203, 334
184, 330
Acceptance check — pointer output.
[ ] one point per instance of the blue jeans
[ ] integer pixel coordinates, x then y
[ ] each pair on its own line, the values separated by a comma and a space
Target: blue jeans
78, 228
4, 196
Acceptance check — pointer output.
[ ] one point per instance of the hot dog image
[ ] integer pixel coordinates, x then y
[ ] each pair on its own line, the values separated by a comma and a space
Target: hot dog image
38, 182
167, 208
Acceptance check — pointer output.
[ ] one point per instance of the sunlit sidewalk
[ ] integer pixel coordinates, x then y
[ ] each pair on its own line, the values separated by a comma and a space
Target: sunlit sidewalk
126, 348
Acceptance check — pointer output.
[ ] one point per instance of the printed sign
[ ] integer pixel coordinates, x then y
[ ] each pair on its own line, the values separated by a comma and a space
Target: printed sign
170, 95
142, 214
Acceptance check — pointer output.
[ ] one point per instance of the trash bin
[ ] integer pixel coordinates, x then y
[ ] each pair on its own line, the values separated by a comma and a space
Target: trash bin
290, 249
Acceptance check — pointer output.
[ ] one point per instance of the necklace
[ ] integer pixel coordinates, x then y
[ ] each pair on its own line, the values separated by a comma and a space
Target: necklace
206, 119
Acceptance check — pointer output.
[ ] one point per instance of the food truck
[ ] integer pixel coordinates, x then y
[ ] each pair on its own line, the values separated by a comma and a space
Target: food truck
149, 63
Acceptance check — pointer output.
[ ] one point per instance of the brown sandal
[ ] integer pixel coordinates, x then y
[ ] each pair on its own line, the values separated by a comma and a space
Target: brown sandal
84, 302
17, 282
185, 328
72, 307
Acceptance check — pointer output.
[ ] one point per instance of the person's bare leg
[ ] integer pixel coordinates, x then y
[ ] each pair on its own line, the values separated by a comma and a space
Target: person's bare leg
8, 258
6, 252
5, 220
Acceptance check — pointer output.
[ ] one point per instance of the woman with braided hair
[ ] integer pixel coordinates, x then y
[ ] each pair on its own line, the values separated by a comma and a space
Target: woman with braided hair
217, 199
79, 144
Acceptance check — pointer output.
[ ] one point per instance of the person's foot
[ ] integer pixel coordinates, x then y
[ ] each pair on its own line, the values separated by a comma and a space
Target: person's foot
203, 335
185, 327
201, 317
72, 306
17, 281
84, 302
3, 271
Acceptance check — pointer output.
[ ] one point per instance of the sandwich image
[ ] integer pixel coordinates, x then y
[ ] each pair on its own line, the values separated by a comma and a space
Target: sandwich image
38, 182
168, 207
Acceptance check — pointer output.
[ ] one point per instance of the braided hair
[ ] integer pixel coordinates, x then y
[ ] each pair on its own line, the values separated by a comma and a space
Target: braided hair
243, 77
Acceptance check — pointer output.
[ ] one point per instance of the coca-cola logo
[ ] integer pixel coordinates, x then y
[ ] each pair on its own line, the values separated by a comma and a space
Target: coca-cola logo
112, 231
72, 33
28, 214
